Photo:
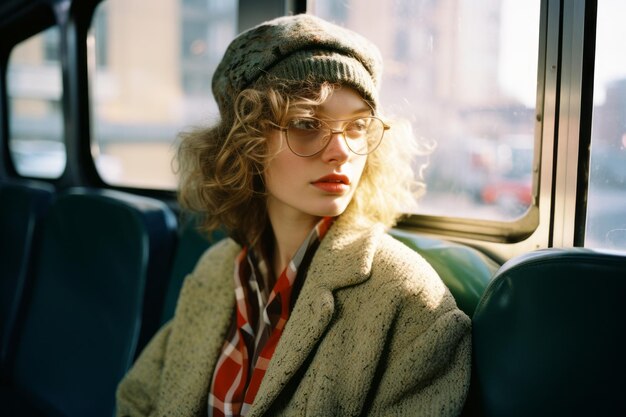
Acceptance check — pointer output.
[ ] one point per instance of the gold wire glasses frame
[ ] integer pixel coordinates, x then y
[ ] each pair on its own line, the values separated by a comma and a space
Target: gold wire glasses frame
308, 136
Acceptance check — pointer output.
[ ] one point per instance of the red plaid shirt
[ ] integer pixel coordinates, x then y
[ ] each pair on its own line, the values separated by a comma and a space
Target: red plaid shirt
251, 342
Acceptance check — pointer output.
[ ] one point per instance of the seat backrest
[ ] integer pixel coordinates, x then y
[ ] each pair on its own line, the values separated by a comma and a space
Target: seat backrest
22, 206
465, 270
549, 336
83, 318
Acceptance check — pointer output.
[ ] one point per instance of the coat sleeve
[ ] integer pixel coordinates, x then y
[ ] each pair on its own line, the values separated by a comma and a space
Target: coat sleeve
138, 391
427, 364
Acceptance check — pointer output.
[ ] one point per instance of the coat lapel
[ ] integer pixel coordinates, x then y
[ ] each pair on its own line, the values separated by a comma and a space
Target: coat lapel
343, 258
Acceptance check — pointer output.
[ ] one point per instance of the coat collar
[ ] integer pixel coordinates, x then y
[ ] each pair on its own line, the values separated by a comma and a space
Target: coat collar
344, 258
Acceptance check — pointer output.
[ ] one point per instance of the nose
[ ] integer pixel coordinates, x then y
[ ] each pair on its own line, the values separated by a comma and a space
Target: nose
336, 151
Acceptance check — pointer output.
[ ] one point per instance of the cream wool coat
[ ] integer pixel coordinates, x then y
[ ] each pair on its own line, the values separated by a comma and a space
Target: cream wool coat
373, 332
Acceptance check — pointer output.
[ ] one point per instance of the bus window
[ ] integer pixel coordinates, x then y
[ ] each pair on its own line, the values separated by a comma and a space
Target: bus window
465, 74
35, 118
150, 77
606, 201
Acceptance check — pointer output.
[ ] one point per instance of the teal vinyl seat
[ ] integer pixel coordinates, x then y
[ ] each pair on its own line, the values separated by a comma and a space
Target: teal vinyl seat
549, 336
191, 245
84, 316
23, 204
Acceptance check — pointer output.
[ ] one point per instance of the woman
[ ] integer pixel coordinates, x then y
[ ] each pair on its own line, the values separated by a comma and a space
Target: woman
310, 308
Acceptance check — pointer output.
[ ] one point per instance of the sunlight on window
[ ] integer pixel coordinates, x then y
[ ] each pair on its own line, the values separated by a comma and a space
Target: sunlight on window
36, 119
465, 74
150, 72
606, 202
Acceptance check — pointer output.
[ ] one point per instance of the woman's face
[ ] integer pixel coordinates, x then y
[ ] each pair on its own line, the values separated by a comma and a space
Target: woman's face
321, 185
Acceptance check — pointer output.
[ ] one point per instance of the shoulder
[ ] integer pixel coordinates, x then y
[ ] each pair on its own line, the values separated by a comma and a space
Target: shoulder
402, 263
426, 308
410, 274
213, 271
363, 253
218, 258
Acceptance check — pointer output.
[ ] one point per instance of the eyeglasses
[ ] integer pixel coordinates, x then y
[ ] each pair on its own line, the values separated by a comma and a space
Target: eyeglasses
308, 136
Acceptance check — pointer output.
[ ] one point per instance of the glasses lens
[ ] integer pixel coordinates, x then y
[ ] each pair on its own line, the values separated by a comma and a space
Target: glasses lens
305, 136
364, 135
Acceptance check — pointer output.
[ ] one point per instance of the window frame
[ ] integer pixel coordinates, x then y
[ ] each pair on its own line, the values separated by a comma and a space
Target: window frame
562, 137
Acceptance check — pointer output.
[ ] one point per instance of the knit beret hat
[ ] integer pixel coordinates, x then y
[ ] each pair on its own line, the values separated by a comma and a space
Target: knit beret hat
298, 48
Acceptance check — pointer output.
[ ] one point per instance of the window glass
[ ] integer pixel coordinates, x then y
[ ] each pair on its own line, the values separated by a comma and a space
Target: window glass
35, 116
606, 202
150, 71
465, 74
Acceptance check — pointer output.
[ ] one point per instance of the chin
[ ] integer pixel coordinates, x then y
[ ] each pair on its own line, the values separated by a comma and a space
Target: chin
330, 212
329, 208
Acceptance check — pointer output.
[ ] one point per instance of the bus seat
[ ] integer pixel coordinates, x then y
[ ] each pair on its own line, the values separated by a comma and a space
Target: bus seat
100, 250
549, 335
191, 245
22, 207
465, 270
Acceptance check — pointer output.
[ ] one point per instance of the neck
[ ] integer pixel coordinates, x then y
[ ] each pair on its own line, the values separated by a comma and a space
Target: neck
290, 230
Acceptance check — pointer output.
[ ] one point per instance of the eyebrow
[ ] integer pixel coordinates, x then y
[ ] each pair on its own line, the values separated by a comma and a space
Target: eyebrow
357, 112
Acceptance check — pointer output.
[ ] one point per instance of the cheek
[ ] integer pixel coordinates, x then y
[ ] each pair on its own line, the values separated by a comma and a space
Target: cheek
281, 169
274, 141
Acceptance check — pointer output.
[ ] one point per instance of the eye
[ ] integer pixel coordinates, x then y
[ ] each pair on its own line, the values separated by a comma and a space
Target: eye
305, 125
357, 127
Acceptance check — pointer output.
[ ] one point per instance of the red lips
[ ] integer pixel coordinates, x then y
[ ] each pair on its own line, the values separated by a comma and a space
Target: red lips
333, 183
333, 178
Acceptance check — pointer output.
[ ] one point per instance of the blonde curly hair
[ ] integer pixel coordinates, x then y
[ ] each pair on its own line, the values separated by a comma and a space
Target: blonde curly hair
221, 168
